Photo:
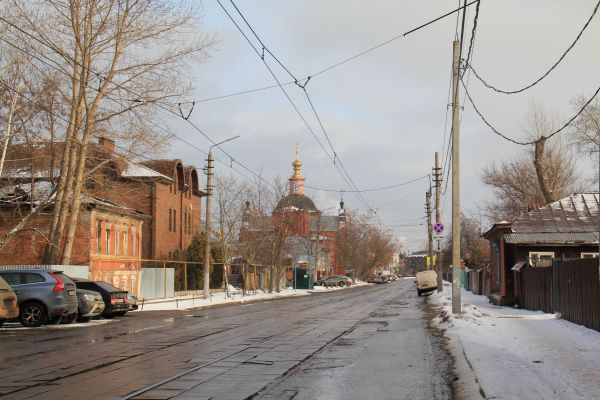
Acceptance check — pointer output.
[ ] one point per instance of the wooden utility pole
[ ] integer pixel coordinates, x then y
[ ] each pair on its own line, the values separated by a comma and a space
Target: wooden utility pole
209, 173
429, 233
456, 303
437, 173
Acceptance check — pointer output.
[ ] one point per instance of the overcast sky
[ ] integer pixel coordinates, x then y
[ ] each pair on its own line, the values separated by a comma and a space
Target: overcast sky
384, 112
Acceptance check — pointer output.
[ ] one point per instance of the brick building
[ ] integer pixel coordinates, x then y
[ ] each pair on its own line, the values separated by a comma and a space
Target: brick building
130, 210
296, 217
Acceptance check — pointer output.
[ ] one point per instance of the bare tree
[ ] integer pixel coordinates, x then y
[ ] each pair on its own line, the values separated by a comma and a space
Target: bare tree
119, 58
542, 174
585, 130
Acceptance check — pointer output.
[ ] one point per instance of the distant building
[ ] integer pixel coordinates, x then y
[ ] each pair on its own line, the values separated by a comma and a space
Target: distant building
309, 235
131, 211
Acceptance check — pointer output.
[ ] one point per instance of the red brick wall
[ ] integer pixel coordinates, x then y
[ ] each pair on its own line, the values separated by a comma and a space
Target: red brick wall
157, 199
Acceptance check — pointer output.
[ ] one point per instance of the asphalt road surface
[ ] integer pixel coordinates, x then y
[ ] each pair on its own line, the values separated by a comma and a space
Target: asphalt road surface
368, 342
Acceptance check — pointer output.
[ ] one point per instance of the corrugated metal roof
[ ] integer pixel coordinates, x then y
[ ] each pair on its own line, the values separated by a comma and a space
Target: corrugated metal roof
551, 238
574, 213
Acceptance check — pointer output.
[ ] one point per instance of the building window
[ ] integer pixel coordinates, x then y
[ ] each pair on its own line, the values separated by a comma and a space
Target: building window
107, 238
174, 220
589, 255
125, 237
541, 258
185, 223
170, 219
98, 236
117, 236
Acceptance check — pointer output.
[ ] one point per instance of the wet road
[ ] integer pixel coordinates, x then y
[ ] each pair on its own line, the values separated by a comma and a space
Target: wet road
365, 342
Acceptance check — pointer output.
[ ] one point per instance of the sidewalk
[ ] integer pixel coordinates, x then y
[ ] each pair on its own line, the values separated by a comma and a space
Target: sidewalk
507, 353
235, 297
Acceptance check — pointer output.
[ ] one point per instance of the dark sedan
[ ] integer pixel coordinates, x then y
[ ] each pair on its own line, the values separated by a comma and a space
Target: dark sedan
115, 299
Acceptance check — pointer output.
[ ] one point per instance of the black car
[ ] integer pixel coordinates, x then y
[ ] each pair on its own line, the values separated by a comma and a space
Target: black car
115, 299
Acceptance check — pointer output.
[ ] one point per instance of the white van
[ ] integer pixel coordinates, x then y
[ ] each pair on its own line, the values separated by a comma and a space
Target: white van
8, 302
426, 282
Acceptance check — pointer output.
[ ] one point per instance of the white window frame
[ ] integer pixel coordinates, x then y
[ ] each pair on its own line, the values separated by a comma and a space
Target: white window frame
588, 254
539, 254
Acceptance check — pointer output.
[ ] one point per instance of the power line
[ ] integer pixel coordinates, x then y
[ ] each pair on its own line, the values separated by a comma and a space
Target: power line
296, 81
486, 84
392, 39
368, 190
346, 177
522, 143
137, 96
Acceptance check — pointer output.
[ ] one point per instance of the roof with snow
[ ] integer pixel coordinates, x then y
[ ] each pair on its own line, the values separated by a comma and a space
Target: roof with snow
575, 213
135, 170
296, 202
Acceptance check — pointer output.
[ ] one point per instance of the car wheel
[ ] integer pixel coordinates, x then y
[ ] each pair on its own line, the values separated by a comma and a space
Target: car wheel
32, 314
121, 313
324, 284
109, 316
419, 292
67, 319
1, 323
341, 284
82, 319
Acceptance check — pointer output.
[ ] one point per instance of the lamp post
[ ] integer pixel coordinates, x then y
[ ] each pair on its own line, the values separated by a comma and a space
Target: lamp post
209, 174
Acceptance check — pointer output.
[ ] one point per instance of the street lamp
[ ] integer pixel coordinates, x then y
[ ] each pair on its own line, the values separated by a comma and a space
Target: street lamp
209, 173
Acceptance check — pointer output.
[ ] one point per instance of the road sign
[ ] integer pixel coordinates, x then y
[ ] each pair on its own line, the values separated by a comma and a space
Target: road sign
438, 227
437, 243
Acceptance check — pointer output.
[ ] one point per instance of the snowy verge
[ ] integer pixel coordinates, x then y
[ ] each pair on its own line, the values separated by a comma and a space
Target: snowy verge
507, 353
235, 296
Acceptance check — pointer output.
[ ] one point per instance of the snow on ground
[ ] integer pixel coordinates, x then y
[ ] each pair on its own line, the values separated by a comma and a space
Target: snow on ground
235, 296
518, 354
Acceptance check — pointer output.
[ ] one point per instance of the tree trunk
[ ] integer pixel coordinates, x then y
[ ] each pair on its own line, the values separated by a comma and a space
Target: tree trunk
538, 162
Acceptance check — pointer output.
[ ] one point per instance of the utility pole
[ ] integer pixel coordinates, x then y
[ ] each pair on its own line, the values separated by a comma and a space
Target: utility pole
437, 174
456, 302
209, 173
429, 233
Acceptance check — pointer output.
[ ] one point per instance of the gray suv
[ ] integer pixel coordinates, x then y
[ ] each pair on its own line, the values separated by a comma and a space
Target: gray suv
42, 294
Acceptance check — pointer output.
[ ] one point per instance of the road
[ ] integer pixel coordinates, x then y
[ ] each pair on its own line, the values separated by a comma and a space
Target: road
357, 343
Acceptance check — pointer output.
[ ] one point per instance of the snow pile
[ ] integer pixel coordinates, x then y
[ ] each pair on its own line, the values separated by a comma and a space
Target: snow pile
197, 301
507, 353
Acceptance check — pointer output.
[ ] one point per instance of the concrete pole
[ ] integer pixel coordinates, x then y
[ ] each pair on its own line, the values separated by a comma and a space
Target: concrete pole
429, 233
209, 173
456, 302
438, 217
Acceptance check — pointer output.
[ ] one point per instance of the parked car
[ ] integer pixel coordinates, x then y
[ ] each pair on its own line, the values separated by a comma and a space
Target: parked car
426, 281
373, 279
115, 299
133, 302
90, 305
334, 280
43, 295
8, 302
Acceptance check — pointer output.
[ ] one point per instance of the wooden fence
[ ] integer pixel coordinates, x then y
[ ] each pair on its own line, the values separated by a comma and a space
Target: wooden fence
571, 287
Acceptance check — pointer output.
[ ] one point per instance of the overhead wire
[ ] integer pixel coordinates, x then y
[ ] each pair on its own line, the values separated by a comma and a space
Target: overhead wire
296, 81
138, 96
526, 143
560, 59
370, 190
332, 158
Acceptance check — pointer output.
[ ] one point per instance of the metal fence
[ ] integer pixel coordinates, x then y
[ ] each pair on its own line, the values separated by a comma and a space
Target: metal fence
571, 287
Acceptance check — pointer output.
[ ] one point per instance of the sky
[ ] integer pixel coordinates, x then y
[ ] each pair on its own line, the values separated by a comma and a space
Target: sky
385, 112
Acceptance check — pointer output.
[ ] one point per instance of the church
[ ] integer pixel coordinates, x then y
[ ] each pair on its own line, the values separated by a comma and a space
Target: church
308, 238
